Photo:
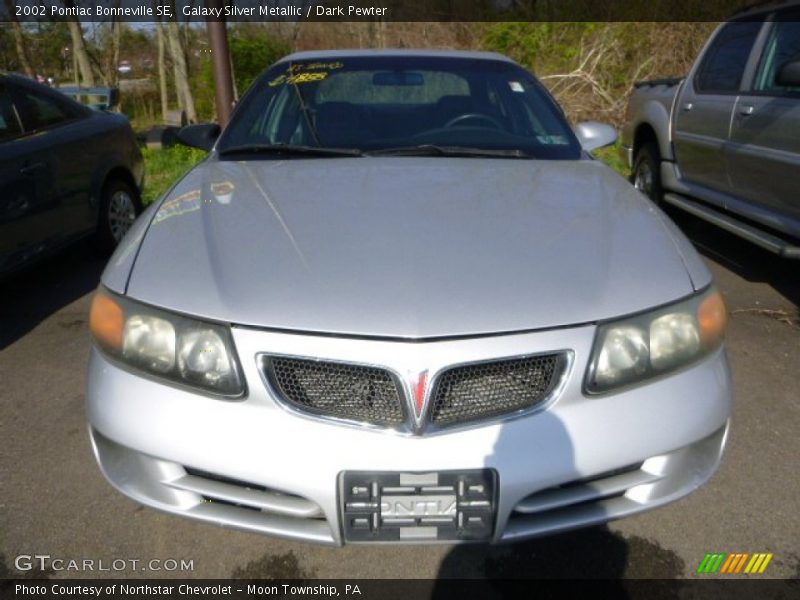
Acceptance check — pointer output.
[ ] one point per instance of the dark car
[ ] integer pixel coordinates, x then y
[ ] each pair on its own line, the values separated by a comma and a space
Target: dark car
66, 172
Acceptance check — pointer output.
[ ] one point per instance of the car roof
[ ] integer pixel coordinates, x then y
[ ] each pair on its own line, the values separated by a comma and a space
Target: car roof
22, 80
15, 77
336, 54
26, 82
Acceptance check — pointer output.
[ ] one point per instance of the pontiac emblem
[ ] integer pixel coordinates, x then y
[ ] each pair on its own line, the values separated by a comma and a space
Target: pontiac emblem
418, 388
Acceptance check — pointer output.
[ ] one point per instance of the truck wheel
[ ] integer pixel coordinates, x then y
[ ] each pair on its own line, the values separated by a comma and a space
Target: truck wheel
119, 207
646, 176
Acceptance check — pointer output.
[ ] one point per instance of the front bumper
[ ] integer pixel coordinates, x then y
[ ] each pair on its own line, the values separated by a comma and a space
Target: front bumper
254, 465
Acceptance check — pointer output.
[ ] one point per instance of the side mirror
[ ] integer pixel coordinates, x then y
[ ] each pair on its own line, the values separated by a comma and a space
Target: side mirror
200, 136
593, 135
789, 74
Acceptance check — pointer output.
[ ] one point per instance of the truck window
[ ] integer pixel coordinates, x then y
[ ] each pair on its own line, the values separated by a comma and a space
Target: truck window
724, 63
782, 47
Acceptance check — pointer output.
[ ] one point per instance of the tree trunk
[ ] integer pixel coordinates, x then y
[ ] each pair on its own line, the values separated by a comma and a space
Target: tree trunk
181, 71
79, 49
19, 40
115, 40
378, 32
162, 71
76, 74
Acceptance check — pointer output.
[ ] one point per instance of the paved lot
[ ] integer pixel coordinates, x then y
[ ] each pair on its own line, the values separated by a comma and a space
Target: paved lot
54, 501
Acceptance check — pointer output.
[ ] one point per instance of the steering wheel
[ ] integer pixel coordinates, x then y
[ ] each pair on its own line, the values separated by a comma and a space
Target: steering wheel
474, 116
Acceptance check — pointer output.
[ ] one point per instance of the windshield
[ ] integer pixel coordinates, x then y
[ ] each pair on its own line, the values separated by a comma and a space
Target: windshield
384, 103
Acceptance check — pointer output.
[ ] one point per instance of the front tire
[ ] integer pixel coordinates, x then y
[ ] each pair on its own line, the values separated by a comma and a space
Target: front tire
119, 208
646, 176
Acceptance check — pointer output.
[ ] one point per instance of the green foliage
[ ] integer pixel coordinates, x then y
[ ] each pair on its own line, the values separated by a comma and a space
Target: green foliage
8, 57
541, 47
45, 44
162, 168
611, 156
251, 55
252, 51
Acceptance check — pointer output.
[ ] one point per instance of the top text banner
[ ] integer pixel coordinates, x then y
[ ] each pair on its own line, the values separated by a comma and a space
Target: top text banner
370, 10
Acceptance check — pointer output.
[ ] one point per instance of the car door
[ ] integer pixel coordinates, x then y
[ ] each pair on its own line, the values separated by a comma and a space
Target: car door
30, 218
703, 111
764, 154
70, 150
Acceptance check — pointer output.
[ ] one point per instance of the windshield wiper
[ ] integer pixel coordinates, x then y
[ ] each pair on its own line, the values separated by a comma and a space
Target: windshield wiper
304, 108
289, 149
434, 150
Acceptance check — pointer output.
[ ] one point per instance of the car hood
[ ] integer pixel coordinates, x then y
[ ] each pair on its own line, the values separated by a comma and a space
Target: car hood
407, 247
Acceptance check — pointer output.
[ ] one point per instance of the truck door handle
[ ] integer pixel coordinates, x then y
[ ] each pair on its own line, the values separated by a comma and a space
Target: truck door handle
687, 106
746, 110
30, 169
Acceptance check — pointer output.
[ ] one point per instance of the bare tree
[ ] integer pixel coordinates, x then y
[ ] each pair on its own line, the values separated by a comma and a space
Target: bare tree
81, 56
19, 40
116, 33
162, 70
180, 70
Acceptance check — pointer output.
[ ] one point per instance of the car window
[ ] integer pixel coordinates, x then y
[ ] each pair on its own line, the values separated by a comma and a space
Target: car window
374, 103
725, 60
40, 111
783, 46
9, 123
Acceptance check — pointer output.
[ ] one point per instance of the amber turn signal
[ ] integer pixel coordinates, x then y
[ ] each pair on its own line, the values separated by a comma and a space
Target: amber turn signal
712, 317
106, 321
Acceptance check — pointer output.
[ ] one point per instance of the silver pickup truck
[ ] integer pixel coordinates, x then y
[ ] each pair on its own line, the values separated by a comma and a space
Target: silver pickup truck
724, 142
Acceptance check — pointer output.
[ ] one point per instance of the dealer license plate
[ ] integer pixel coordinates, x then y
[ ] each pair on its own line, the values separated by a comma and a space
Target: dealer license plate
417, 507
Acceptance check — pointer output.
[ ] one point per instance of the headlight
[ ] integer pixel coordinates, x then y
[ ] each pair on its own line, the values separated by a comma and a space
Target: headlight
638, 348
174, 347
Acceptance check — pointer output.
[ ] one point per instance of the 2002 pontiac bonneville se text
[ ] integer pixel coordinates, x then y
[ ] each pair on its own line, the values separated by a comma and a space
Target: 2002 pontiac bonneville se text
400, 302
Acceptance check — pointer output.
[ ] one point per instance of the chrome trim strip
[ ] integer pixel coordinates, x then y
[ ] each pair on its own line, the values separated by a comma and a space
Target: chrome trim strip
592, 490
309, 530
271, 502
575, 517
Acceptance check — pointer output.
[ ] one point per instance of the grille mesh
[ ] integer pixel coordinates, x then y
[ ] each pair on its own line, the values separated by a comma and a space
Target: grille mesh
488, 389
344, 391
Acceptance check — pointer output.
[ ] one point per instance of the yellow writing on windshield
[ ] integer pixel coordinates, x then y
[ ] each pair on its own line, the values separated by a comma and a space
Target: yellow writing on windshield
297, 78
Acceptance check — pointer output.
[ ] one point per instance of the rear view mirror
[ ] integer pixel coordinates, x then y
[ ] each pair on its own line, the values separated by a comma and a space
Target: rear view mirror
593, 135
789, 74
200, 136
398, 78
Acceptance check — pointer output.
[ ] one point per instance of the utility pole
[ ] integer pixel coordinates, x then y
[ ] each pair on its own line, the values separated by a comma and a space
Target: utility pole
220, 55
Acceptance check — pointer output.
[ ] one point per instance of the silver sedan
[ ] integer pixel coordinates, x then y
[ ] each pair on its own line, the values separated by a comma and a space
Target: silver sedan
400, 302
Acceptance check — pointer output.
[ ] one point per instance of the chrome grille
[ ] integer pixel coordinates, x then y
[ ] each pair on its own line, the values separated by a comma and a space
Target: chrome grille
345, 391
482, 390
